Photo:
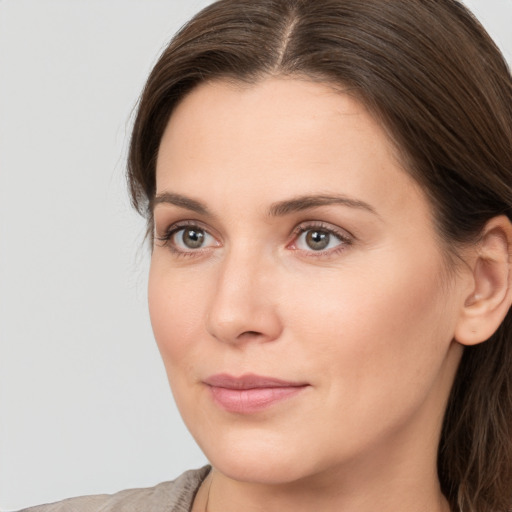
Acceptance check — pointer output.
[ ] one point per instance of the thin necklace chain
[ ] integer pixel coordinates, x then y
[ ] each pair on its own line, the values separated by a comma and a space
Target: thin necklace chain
210, 487
208, 494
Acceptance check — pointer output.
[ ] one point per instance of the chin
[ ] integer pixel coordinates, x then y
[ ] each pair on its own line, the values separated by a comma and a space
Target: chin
259, 469
258, 457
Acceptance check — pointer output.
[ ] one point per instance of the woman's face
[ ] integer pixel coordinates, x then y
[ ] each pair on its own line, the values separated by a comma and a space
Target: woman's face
298, 292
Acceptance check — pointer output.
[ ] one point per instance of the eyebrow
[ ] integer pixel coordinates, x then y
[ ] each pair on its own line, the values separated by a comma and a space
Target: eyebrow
307, 202
279, 209
181, 201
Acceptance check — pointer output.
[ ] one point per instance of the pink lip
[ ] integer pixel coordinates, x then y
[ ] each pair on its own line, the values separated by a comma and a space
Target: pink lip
250, 393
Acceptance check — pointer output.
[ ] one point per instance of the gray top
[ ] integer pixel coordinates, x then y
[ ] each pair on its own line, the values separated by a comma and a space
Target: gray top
175, 496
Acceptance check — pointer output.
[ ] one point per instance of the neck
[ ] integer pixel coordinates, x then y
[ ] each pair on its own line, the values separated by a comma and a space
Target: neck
378, 489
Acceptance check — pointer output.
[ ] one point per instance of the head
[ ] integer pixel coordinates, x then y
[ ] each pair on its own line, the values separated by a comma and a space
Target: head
427, 84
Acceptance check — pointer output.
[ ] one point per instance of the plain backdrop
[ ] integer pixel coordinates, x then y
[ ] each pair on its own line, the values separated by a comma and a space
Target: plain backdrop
84, 401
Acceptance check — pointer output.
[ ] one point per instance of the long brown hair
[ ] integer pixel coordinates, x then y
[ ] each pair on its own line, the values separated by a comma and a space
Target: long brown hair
433, 76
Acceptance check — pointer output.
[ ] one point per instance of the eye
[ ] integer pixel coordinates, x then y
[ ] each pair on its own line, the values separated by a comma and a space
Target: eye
188, 239
319, 239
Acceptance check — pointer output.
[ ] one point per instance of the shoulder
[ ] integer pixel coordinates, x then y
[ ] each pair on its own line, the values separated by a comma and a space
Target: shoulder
174, 496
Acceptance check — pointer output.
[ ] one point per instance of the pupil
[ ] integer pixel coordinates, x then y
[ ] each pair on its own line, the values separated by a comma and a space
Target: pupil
317, 240
193, 238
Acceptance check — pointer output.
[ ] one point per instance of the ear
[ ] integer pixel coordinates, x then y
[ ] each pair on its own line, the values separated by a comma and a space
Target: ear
490, 296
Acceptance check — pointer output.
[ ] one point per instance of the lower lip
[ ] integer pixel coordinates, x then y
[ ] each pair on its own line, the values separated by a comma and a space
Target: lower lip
247, 401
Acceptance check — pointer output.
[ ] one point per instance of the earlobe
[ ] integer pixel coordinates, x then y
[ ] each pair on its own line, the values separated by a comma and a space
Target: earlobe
486, 306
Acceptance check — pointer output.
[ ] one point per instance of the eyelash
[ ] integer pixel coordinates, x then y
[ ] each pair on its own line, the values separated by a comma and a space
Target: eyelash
344, 238
166, 238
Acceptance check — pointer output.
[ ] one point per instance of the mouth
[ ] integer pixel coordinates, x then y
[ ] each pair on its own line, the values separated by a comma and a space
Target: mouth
250, 393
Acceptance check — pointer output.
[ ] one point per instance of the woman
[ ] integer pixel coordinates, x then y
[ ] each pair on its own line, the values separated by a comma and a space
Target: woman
328, 192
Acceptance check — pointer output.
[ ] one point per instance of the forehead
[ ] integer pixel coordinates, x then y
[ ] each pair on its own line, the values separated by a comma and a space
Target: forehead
277, 137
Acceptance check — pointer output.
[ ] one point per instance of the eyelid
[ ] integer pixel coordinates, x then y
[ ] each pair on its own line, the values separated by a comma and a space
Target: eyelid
175, 227
345, 237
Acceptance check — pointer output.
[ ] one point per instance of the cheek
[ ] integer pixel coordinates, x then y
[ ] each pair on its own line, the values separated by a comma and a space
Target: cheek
371, 324
176, 304
381, 327
375, 339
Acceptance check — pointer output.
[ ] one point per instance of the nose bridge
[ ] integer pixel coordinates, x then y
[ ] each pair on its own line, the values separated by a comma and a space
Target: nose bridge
242, 306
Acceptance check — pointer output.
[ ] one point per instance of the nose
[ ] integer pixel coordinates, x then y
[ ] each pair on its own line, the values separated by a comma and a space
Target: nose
242, 307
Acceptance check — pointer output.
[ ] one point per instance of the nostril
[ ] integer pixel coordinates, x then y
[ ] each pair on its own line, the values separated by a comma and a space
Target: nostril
231, 320
250, 333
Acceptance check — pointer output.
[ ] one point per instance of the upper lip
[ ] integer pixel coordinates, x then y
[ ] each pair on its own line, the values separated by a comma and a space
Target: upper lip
249, 381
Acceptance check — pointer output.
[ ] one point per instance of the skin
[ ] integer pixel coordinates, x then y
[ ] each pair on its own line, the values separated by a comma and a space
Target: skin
368, 323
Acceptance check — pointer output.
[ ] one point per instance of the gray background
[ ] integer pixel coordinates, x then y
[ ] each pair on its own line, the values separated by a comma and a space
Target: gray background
84, 402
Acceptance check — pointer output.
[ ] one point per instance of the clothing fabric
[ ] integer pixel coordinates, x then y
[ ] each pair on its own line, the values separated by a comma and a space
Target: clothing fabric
175, 496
